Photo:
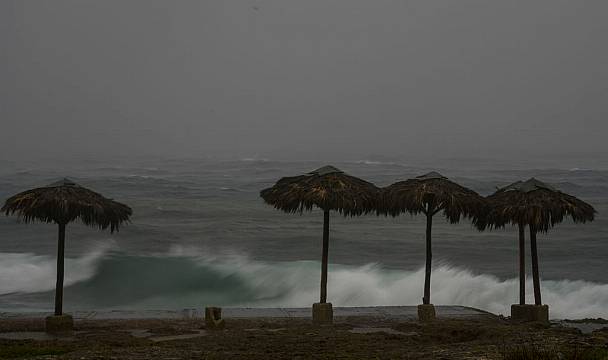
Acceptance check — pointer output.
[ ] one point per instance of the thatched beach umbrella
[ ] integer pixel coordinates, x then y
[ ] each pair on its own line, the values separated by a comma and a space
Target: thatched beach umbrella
538, 206
329, 189
430, 194
61, 203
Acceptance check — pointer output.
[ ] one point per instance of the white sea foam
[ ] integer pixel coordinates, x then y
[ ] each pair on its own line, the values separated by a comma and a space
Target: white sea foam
297, 284
290, 284
372, 285
27, 272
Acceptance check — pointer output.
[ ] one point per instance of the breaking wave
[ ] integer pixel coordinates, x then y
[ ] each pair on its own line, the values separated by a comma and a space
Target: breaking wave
27, 272
185, 278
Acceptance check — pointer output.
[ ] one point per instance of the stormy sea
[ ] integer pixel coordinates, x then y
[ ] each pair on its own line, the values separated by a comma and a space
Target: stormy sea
201, 235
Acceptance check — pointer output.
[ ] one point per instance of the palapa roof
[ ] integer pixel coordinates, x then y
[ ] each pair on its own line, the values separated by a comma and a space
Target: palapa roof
327, 188
415, 195
65, 201
535, 203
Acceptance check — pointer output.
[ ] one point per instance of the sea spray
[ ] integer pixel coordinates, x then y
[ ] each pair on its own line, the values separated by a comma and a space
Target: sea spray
189, 278
29, 273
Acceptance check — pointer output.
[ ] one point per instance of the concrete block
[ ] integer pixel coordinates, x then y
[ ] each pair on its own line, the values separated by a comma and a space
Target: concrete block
528, 313
59, 324
213, 318
426, 312
322, 314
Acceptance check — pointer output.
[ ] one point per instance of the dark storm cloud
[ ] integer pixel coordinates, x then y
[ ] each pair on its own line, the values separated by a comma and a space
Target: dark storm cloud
291, 78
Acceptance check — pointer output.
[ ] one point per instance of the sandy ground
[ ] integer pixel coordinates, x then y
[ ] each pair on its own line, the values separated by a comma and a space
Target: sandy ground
264, 338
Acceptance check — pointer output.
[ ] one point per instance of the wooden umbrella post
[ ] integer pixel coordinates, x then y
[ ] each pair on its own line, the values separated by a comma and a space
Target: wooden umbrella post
322, 312
60, 271
426, 311
429, 257
325, 256
60, 323
535, 271
522, 265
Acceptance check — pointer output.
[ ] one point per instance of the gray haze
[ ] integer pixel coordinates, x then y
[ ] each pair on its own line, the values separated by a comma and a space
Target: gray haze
304, 79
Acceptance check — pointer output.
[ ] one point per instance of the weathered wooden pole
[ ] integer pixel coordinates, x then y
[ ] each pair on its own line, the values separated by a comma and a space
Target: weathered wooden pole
429, 256
325, 256
522, 265
60, 267
535, 272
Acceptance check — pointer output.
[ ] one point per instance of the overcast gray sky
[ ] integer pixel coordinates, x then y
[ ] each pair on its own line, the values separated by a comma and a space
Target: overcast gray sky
294, 78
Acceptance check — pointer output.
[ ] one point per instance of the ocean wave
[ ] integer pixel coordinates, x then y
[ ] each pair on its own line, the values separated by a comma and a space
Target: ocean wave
192, 277
28, 273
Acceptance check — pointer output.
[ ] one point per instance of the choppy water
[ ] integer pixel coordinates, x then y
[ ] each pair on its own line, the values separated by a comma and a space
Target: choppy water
201, 235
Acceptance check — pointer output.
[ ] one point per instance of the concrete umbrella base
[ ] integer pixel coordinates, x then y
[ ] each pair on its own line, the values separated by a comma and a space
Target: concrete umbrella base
213, 318
322, 314
59, 324
426, 312
529, 313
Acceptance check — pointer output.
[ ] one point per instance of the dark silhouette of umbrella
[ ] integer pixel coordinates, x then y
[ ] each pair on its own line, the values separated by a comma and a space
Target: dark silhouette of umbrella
328, 189
61, 203
430, 194
539, 207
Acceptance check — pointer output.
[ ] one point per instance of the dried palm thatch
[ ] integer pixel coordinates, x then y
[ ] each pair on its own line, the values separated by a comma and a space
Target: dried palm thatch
64, 202
538, 206
534, 203
430, 194
327, 188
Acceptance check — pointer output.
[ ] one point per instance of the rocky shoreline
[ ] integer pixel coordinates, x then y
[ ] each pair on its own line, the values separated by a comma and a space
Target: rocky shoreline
354, 337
